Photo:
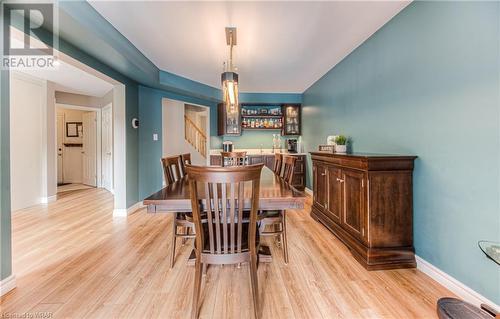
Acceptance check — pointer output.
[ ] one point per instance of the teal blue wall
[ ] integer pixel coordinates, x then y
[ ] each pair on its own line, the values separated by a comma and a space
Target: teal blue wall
427, 83
270, 98
5, 222
254, 139
150, 152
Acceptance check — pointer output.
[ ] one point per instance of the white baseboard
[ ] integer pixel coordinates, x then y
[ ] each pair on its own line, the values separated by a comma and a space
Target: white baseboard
124, 212
7, 284
49, 199
452, 284
308, 191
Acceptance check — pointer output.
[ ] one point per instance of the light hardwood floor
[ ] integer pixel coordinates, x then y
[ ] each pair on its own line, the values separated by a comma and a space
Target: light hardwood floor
74, 260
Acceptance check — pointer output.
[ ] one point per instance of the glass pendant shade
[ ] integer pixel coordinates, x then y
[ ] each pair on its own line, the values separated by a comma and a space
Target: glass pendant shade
230, 91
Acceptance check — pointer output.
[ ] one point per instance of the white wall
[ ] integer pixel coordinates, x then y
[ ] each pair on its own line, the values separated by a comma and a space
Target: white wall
27, 103
173, 132
84, 100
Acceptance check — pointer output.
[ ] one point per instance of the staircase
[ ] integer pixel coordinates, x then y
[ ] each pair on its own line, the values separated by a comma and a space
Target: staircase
195, 136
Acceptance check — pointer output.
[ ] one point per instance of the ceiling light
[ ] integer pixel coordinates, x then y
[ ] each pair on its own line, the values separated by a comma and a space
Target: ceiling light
229, 77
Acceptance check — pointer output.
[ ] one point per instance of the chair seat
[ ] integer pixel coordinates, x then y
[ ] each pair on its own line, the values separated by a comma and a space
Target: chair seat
270, 214
244, 239
188, 216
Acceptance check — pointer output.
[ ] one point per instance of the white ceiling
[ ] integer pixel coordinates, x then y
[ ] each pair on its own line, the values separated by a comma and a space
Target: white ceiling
282, 46
68, 78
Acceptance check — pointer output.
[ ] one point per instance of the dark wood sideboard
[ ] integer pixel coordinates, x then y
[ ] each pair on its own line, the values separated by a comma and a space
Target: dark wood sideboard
366, 200
299, 173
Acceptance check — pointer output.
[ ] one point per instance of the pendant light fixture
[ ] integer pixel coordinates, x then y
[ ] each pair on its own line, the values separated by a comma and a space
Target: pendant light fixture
229, 77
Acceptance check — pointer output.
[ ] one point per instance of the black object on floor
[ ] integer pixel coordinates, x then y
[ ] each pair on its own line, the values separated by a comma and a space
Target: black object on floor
62, 184
453, 308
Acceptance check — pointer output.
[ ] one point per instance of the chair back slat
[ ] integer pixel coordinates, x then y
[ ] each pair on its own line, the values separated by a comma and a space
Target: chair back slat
224, 217
241, 201
288, 168
215, 197
171, 168
232, 203
226, 190
233, 158
210, 220
185, 159
278, 159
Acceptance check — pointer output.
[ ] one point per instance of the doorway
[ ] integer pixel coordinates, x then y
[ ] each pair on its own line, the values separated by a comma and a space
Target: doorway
77, 147
194, 121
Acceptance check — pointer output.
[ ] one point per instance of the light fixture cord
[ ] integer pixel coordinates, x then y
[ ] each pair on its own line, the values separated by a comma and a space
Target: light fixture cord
231, 51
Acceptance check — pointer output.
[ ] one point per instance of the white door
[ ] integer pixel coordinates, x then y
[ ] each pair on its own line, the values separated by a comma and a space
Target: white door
107, 147
89, 156
60, 148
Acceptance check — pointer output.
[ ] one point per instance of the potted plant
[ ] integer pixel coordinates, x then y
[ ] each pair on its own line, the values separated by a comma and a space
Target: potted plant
340, 144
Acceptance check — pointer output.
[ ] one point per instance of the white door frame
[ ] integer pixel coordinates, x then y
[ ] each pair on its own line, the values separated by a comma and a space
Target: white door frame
61, 157
89, 176
98, 134
207, 108
111, 188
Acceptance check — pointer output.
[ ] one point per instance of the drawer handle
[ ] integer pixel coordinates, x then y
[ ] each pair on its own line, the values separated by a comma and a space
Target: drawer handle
323, 174
340, 180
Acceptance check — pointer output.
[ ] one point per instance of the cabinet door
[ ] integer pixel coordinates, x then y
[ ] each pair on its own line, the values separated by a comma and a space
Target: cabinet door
335, 187
319, 186
269, 161
354, 202
228, 124
299, 165
255, 159
291, 119
215, 160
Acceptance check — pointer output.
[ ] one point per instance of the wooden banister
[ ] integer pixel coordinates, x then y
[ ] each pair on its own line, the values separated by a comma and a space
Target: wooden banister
195, 136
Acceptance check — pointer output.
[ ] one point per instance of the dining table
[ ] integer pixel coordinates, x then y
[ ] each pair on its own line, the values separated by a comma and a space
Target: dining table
274, 194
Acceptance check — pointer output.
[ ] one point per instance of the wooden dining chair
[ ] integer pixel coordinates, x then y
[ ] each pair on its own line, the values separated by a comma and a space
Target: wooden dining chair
183, 226
171, 168
288, 168
185, 159
234, 158
277, 219
278, 159
225, 236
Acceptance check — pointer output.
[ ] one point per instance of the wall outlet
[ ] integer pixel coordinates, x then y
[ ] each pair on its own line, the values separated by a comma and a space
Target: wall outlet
155, 137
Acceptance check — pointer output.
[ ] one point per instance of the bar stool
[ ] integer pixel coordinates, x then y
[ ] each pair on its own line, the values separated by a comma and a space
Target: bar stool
234, 158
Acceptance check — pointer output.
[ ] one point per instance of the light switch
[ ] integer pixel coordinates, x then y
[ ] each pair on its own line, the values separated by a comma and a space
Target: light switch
155, 137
